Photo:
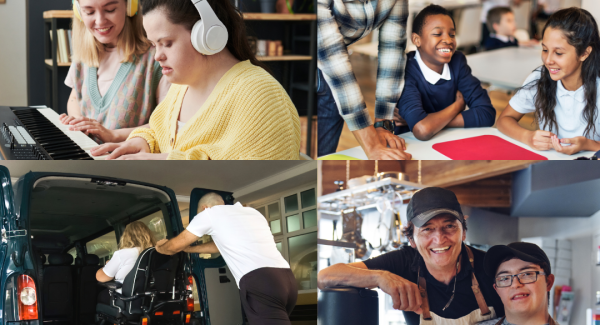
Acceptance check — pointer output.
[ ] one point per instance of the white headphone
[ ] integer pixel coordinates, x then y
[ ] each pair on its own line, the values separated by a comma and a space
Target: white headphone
209, 35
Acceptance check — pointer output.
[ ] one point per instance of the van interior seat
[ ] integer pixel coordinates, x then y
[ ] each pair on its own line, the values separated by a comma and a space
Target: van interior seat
88, 289
58, 288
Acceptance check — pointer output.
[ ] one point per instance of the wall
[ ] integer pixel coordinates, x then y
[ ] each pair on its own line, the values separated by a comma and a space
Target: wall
13, 53
592, 6
581, 231
490, 228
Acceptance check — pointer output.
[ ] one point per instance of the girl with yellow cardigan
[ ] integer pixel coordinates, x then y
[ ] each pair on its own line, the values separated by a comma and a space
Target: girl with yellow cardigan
222, 104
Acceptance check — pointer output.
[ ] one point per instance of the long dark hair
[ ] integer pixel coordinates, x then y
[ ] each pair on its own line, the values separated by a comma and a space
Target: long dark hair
581, 31
183, 12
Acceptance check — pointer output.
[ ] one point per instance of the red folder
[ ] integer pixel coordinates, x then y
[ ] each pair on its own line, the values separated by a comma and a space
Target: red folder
485, 147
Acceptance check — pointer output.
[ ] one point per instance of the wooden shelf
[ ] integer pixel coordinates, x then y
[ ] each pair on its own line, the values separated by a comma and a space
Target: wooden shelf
49, 63
285, 58
247, 16
58, 14
285, 17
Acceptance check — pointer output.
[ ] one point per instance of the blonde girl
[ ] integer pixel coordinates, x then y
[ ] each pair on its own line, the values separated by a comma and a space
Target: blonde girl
115, 80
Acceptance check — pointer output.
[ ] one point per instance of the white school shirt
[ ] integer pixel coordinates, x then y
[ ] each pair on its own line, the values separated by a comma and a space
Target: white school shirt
242, 236
431, 76
568, 110
121, 263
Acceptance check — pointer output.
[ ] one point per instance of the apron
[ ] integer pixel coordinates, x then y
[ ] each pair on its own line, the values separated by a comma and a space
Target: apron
483, 313
551, 321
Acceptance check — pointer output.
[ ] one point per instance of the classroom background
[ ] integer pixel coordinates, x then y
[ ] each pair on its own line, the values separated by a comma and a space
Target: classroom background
30, 75
500, 71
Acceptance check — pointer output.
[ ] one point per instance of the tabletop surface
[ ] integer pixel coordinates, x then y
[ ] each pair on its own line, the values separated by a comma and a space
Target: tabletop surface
507, 68
422, 150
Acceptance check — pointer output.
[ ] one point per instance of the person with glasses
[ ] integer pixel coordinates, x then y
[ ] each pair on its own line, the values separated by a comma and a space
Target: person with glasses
522, 279
437, 279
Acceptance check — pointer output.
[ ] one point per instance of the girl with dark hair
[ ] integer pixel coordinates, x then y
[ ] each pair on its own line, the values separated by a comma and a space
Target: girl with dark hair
562, 93
221, 106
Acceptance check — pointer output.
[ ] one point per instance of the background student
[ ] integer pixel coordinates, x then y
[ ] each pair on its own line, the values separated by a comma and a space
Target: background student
563, 92
502, 26
438, 81
116, 81
488, 5
223, 104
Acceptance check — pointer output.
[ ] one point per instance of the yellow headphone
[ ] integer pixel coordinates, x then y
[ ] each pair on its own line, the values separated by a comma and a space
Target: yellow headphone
132, 8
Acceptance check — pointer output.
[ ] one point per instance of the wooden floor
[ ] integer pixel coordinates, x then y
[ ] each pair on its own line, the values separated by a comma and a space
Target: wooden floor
365, 70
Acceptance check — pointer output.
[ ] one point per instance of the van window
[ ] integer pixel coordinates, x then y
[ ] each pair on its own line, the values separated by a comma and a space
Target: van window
104, 246
73, 252
156, 224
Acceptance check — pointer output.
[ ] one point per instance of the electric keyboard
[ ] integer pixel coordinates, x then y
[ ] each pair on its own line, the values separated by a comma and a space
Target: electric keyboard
28, 133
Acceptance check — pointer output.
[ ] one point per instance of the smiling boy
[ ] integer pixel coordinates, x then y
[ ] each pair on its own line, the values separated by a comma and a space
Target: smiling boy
523, 278
438, 83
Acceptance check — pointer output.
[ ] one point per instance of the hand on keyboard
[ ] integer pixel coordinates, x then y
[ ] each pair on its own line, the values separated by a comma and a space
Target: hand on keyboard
132, 146
66, 119
91, 126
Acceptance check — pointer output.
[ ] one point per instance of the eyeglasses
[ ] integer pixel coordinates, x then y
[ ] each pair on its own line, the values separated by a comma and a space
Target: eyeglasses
503, 281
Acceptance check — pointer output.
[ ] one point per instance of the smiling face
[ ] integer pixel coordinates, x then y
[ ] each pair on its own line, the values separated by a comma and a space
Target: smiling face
104, 18
436, 42
561, 59
507, 25
181, 63
524, 300
439, 241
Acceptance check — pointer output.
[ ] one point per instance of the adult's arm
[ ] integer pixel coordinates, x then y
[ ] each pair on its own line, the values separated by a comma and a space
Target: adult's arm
177, 244
405, 294
206, 248
391, 61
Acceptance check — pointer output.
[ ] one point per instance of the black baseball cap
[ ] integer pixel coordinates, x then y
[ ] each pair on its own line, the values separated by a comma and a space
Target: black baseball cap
430, 202
527, 252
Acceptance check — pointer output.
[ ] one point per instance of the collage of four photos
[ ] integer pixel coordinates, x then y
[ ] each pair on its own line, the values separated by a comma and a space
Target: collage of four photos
406, 178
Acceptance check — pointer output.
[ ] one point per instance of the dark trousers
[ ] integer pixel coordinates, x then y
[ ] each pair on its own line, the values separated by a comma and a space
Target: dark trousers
331, 122
268, 296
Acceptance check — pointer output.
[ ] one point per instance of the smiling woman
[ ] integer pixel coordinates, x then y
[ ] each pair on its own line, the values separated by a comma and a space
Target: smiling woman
116, 81
223, 104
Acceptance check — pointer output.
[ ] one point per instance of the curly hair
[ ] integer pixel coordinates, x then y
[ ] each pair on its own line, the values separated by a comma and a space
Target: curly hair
138, 235
431, 10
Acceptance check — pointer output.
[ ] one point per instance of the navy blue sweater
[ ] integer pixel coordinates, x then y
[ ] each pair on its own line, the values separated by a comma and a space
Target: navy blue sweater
492, 43
420, 98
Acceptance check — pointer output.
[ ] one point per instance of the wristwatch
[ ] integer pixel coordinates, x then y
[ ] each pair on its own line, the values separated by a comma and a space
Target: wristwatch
386, 125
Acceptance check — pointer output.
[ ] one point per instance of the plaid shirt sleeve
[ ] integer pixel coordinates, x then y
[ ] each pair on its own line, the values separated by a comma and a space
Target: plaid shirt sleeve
334, 62
392, 60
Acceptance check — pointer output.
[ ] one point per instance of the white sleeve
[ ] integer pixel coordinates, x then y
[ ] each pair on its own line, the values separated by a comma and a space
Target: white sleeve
69, 80
524, 100
112, 267
201, 224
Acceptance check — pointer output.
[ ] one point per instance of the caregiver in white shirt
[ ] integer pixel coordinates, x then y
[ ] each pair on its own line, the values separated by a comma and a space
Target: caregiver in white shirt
268, 288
